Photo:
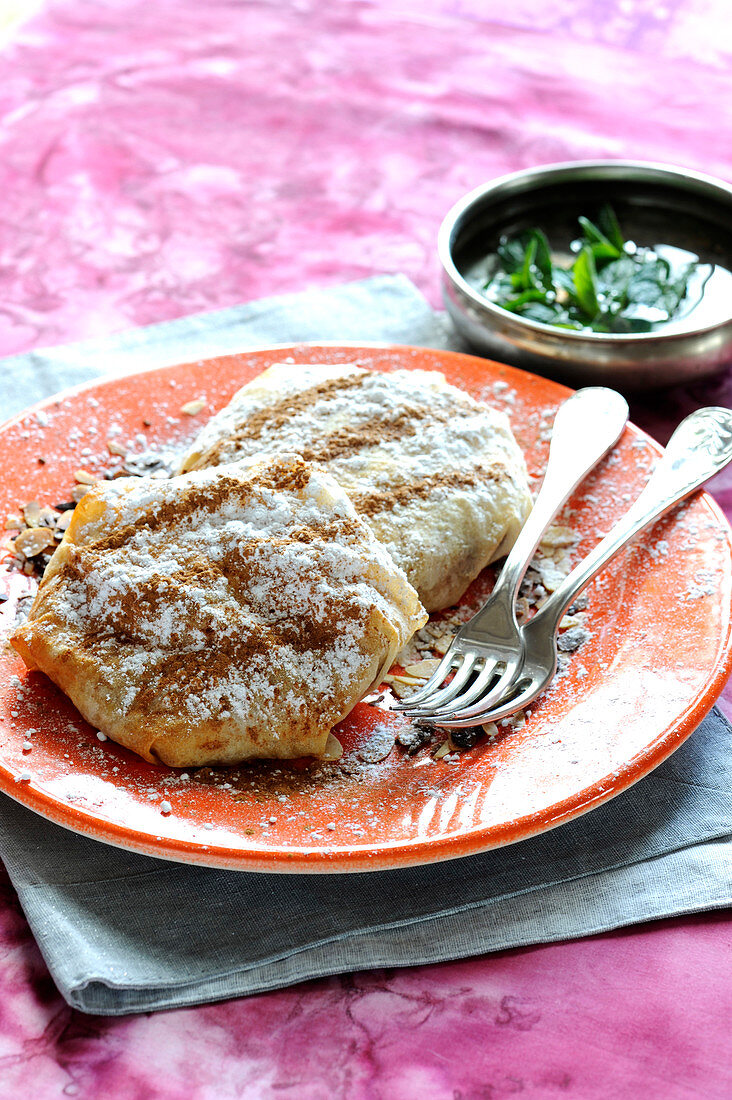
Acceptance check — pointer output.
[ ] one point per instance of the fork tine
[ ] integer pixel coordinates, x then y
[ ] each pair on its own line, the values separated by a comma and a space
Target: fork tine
472, 704
525, 693
472, 693
444, 695
449, 661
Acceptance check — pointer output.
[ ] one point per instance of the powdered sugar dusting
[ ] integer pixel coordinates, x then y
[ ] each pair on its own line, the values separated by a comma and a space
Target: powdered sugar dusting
244, 595
436, 474
400, 796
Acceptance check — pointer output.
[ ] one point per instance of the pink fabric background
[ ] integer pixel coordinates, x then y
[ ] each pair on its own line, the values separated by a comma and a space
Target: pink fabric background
160, 158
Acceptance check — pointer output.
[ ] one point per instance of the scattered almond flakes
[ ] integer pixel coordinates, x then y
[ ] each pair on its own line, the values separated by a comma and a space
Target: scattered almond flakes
403, 678
551, 574
557, 535
402, 685
192, 408
423, 669
378, 746
32, 513
83, 477
47, 517
32, 541
418, 663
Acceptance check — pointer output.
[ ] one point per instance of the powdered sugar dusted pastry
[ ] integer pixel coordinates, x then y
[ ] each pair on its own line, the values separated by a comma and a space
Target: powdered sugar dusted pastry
228, 613
437, 475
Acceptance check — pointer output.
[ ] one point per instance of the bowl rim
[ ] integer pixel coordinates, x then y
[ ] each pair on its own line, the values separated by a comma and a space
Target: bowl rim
655, 170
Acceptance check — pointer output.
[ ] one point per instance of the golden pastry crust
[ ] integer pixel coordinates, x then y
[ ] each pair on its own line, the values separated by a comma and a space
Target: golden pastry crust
437, 475
226, 614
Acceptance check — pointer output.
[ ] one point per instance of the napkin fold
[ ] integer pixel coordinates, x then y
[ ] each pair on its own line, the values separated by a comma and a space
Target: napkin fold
125, 933
386, 309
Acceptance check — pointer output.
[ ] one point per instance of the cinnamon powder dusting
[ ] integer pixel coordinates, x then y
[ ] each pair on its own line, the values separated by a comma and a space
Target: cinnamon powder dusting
437, 475
253, 600
272, 418
370, 504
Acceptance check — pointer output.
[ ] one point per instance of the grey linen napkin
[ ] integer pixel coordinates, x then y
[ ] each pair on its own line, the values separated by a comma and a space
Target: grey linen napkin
125, 933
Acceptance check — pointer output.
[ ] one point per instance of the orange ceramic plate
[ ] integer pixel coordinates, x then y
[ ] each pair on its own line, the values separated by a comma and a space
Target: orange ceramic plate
659, 655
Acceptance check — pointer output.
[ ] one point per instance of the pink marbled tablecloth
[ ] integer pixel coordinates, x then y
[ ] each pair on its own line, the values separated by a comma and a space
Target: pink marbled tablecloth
159, 158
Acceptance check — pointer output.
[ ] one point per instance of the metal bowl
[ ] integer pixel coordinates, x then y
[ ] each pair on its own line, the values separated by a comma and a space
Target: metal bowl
655, 204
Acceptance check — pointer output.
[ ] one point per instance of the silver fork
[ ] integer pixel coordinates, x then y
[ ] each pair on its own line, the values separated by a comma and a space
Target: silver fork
700, 447
586, 426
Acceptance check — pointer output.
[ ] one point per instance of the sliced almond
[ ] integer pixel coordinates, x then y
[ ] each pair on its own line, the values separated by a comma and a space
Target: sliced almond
402, 690
31, 513
378, 747
83, 477
422, 669
47, 516
558, 535
115, 448
551, 576
443, 643
192, 408
14, 523
491, 729
63, 522
79, 491
442, 751
33, 541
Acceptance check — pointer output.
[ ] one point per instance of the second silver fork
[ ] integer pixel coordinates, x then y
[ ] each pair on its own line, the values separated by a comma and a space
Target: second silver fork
700, 447
586, 426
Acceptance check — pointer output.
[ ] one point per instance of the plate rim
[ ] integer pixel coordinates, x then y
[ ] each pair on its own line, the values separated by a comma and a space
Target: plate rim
385, 855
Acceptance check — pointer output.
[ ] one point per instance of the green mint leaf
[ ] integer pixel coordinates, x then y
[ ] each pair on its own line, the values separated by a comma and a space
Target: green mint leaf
564, 284
511, 254
610, 227
514, 305
546, 314
612, 283
585, 281
603, 251
526, 274
607, 289
597, 239
543, 260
